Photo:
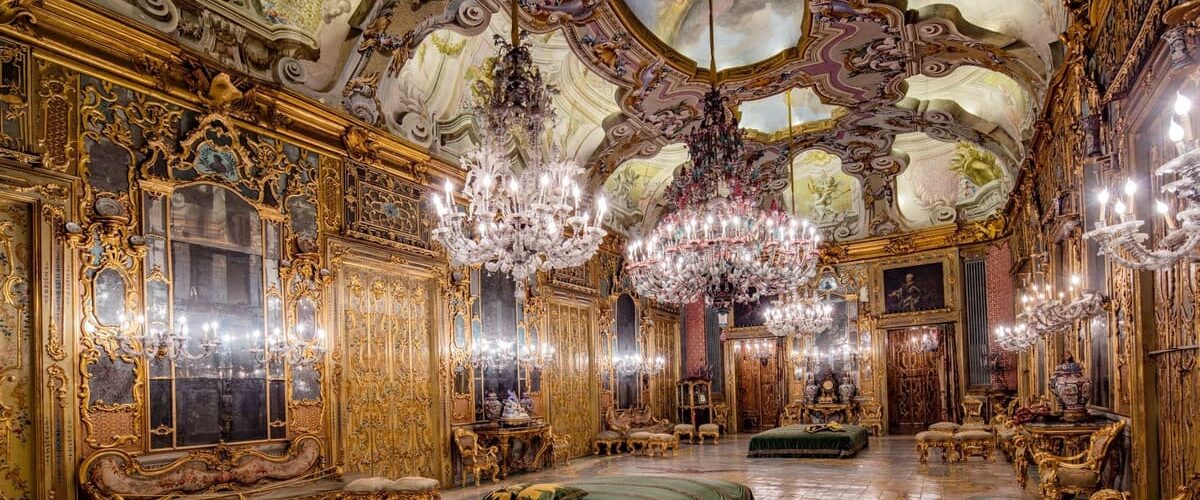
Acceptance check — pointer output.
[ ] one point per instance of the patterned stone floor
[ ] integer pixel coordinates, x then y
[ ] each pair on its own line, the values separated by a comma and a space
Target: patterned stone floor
888, 469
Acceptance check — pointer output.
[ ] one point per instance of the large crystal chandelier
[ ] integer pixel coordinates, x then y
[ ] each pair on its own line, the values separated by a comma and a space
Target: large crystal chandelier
799, 314
518, 223
1122, 241
720, 243
1018, 337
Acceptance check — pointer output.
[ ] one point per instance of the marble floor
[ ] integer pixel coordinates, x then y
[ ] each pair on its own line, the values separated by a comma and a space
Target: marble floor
888, 469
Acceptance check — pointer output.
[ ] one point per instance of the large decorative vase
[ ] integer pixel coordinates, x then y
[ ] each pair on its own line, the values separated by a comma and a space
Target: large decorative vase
1072, 389
847, 389
492, 407
810, 391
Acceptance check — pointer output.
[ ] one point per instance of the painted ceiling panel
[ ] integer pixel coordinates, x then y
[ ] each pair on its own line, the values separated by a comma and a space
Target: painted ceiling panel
769, 114
747, 31
948, 182
987, 94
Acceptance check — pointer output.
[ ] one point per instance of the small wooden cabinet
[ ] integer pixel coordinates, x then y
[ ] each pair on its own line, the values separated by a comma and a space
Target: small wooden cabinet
693, 397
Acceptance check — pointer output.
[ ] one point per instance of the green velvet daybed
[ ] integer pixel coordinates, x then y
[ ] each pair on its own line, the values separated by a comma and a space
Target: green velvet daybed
797, 441
627, 488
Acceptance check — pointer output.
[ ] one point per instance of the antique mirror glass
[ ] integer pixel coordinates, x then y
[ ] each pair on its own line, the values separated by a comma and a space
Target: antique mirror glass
627, 347
498, 327
217, 271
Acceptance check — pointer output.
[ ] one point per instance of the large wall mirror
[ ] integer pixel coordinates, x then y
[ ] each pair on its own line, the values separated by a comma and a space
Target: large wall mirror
500, 331
223, 284
629, 353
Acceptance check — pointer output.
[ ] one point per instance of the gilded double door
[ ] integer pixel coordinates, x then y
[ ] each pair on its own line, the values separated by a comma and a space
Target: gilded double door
759, 390
388, 406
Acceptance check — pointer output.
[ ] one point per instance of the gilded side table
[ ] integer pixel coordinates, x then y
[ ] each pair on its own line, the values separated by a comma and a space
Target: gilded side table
530, 453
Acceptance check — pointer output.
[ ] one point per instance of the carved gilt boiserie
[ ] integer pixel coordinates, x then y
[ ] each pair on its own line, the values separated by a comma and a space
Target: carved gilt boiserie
388, 406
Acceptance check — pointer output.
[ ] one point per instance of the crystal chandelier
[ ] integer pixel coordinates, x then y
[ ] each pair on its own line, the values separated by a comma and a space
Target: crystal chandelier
635, 363
1122, 241
164, 343
517, 223
799, 314
720, 243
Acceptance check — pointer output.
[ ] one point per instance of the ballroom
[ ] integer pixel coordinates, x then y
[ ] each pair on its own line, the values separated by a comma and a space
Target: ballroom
599, 249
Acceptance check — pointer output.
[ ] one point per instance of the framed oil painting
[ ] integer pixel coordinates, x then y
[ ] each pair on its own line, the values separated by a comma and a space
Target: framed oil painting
914, 289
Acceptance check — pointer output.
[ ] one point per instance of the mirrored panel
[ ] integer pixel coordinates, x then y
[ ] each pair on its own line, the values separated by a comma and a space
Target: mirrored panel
628, 353
109, 297
217, 270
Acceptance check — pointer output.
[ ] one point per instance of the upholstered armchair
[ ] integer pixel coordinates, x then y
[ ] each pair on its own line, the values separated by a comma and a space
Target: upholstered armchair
791, 413
720, 415
475, 458
1189, 491
1077, 474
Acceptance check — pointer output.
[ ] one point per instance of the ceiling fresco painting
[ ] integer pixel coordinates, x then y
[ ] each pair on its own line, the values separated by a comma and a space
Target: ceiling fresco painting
891, 92
747, 31
946, 182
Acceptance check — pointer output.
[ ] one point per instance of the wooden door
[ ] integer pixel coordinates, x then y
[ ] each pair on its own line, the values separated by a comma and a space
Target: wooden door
759, 390
916, 384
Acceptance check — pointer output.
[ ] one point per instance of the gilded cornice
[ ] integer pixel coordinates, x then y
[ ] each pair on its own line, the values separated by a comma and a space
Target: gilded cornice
78, 37
986, 231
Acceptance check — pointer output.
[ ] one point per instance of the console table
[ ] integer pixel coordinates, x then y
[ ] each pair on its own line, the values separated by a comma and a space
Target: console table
1059, 438
519, 448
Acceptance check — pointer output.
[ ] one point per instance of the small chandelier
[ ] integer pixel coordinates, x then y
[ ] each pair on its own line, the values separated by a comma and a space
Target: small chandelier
799, 314
1015, 338
163, 343
1122, 240
492, 354
291, 349
762, 350
720, 243
517, 223
635, 363
923, 340
538, 356
1046, 312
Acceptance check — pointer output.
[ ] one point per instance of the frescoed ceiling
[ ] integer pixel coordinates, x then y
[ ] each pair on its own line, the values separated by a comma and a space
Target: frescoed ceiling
905, 114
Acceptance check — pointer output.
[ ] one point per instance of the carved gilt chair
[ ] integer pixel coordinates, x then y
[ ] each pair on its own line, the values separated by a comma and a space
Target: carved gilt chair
1189, 491
972, 410
1077, 474
720, 415
475, 458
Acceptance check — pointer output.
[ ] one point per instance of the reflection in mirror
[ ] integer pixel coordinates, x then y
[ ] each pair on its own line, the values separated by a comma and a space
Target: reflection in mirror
834, 352
498, 327
109, 297
217, 270
628, 395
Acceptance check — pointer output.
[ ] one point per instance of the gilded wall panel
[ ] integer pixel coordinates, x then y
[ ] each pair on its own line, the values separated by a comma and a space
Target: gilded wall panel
17, 432
388, 411
384, 208
570, 375
664, 339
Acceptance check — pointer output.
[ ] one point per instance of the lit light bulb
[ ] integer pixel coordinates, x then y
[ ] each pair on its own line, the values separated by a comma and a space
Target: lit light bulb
1161, 207
1130, 187
1102, 196
1175, 131
1119, 208
1182, 104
